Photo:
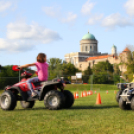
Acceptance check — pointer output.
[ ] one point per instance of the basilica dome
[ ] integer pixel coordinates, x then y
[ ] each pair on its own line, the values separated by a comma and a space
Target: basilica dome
88, 36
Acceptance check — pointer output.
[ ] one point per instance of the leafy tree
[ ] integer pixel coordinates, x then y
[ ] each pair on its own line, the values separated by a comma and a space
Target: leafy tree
8, 76
54, 63
101, 78
128, 62
69, 69
103, 67
103, 73
88, 71
55, 67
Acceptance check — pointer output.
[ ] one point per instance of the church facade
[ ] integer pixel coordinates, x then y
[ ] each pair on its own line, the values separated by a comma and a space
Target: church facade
89, 55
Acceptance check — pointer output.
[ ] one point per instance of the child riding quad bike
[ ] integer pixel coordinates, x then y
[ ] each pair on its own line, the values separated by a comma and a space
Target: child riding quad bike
125, 96
48, 91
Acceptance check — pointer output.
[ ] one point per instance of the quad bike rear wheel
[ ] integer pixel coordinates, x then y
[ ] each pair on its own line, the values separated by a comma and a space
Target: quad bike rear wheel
69, 99
123, 105
27, 104
132, 103
54, 100
8, 100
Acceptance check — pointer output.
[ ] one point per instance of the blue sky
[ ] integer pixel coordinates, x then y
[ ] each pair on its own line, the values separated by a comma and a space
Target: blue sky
56, 27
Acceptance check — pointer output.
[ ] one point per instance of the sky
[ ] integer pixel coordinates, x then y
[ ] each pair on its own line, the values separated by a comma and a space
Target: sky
55, 27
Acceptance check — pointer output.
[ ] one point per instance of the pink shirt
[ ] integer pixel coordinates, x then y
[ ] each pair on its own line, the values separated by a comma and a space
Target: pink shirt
42, 69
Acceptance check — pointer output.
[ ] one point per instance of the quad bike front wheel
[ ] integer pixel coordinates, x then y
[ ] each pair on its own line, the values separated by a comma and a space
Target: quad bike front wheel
117, 97
27, 104
123, 105
8, 100
69, 99
54, 100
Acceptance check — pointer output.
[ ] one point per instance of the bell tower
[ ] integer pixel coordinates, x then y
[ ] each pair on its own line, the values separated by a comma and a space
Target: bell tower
114, 50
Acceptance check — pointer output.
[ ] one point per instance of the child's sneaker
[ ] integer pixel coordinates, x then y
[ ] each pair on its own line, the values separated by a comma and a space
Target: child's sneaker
34, 95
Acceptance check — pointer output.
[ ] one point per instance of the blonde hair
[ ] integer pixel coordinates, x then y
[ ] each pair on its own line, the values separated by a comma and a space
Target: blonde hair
40, 57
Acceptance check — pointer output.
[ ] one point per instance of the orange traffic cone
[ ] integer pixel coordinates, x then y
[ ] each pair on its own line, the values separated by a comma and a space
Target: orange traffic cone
82, 94
90, 92
114, 92
107, 92
77, 95
98, 100
85, 93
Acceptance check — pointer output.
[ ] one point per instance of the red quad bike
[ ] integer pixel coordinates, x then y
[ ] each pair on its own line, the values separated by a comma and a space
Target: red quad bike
52, 92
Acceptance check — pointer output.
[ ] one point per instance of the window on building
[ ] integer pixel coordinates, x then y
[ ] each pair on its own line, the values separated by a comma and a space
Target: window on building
85, 48
94, 48
90, 48
72, 61
80, 65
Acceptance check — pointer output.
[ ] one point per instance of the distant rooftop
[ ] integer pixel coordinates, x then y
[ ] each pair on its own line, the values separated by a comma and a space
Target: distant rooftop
126, 50
98, 57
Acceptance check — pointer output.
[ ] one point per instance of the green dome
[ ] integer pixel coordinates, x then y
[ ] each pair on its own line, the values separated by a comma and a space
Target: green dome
88, 36
113, 46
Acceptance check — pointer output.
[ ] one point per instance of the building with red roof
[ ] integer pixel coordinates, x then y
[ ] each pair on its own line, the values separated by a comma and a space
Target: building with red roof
89, 55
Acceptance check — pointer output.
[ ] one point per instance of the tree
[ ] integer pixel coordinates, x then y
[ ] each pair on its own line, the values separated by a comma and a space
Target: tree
88, 71
54, 63
69, 69
8, 76
103, 67
55, 67
128, 62
103, 73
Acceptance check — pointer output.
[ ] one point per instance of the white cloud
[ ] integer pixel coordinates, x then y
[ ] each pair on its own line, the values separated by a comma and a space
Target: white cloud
4, 5
55, 11
71, 17
129, 6
21, 36
95, 19
22, 30
87, 7
52, 11
15, 45
115, 20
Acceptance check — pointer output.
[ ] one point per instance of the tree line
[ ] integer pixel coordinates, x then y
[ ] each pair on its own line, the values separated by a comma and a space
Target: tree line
101, 73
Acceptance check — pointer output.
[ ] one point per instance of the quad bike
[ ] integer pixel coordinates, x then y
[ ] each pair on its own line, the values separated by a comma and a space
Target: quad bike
52, 92
125, 96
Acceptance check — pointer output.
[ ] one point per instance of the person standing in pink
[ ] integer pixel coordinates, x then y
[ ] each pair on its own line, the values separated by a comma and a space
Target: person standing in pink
42, 70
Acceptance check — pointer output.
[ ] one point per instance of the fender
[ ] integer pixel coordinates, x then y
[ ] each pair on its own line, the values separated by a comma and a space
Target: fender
131, 92
122, 86
130, 85
47, 86
24, 95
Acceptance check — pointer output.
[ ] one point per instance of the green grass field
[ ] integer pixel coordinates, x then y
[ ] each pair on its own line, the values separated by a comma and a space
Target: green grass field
85, 117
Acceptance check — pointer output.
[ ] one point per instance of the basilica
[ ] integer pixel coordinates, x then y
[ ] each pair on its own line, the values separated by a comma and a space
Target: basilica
89, 55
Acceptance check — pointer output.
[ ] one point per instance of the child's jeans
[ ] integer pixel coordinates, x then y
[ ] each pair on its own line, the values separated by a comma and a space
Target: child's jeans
32, 80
